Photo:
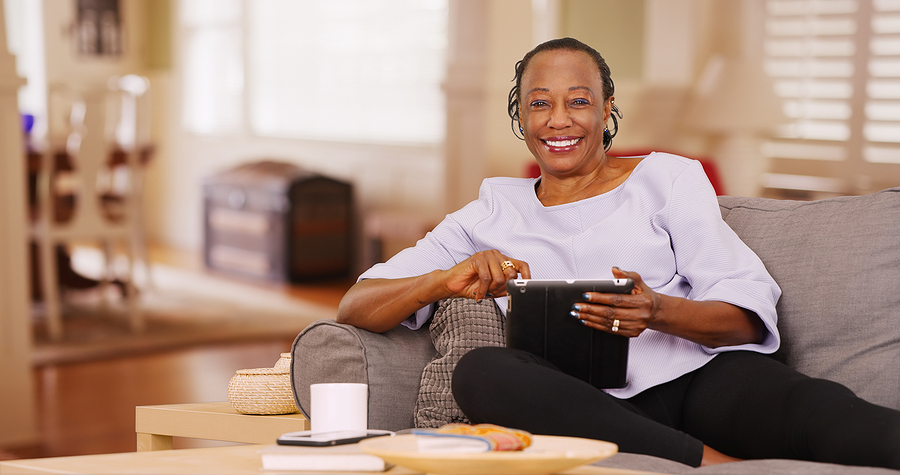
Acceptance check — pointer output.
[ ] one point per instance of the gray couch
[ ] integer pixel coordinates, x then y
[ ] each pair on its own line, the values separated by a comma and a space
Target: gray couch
837, 261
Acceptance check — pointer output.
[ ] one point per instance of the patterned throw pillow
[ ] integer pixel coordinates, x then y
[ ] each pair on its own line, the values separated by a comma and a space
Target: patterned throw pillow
458, 325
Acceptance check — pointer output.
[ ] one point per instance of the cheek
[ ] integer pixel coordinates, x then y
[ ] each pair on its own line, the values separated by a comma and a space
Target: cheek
532, 143
532, 120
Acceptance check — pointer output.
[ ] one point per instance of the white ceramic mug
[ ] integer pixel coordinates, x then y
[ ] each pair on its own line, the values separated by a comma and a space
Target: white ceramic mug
338, 406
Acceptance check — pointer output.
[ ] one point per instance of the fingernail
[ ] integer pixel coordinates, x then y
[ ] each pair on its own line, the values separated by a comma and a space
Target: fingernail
585, 296
573, 314
576, 307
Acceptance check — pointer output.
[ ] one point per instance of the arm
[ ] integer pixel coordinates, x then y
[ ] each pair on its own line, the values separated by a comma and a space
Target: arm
381, 304
719, 294
709, 323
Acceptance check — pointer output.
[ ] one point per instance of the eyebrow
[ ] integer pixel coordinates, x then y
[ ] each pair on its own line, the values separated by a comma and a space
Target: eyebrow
573, 88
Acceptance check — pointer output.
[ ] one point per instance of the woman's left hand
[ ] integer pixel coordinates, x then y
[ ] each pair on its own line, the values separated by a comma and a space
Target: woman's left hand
621, 314
710, 323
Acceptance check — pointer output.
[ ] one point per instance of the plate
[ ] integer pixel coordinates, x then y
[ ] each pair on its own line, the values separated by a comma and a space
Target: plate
547, 454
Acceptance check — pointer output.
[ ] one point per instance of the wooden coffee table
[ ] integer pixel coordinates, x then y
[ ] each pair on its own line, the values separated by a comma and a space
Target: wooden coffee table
157, 425
237, 459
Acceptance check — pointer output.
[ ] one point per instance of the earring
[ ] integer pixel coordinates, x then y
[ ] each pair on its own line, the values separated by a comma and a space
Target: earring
521, 129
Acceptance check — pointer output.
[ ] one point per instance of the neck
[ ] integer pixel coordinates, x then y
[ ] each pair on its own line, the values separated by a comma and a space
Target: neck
609, 173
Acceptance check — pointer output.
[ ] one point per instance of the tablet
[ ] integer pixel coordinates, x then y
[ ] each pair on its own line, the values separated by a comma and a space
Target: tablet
538, 321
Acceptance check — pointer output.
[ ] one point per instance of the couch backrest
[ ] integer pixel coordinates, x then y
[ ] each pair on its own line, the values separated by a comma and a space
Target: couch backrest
838, 264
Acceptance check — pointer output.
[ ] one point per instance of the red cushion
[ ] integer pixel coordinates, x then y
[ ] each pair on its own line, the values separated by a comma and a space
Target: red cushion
709, 166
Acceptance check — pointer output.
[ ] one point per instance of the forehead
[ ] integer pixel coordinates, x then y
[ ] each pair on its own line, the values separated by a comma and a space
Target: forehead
561, 68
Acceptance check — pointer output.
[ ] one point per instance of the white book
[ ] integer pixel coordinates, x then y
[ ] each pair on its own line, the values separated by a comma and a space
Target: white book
344, 458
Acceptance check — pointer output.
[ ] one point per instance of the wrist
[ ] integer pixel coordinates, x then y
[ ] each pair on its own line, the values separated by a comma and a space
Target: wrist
664, 306
432, 287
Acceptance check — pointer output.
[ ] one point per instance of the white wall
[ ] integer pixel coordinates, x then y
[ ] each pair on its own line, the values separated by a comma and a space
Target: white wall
509, 38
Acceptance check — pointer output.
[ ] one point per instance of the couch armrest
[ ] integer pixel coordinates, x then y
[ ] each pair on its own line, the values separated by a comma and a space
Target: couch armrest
390, 363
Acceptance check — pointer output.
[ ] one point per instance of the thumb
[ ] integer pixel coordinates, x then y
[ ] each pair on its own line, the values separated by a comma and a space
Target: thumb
638, 282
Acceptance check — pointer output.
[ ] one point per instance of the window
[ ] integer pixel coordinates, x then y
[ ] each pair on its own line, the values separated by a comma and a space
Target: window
340, 70
25, 39
836, 66
882, 110
213, 66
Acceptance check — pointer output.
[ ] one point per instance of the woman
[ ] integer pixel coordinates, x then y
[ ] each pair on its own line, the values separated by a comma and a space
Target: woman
701, 318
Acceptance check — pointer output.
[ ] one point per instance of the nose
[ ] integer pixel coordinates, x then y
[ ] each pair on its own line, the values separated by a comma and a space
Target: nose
559, 117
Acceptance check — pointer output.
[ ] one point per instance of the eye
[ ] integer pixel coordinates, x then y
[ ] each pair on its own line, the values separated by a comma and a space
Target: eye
538, 103
581, 102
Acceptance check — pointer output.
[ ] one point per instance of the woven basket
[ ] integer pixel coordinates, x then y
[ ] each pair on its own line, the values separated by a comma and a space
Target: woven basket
284, 363
261, 391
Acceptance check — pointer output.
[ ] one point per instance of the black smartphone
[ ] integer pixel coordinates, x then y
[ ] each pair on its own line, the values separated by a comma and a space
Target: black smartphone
325, 439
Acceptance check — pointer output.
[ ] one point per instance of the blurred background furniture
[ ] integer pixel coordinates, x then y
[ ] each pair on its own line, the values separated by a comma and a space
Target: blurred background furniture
386, 232
155, 426
87, 185
276, 221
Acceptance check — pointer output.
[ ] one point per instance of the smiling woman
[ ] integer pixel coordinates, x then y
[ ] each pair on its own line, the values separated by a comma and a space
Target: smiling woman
700, 319
562, 105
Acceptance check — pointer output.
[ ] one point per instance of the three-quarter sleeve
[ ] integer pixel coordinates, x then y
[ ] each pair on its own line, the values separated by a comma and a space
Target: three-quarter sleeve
712, 258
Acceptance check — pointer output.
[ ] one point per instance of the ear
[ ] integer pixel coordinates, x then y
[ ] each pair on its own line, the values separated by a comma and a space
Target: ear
607, 108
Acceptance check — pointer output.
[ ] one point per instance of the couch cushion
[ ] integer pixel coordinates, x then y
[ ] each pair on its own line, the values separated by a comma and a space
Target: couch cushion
390, 363
838, 264
458, 326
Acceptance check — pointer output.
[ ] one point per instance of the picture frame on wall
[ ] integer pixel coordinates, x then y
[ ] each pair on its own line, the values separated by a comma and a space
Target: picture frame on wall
98, 28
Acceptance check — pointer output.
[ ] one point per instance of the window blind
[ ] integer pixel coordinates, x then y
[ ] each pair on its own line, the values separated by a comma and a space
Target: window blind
836, 67
881, 128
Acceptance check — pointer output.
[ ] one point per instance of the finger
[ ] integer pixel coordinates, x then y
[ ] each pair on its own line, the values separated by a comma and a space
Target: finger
522, 268
639, 285
509, 269
493, 277
597, 314
485, 277
621, 301
614, 326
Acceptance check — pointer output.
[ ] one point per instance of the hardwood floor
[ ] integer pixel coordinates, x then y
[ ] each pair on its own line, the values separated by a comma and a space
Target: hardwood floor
88, 408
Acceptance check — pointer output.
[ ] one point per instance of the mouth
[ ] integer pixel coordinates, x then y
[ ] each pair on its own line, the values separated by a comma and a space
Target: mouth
561, 144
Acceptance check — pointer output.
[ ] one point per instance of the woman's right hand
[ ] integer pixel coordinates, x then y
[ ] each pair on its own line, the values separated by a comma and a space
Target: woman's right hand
484, 274
381, 304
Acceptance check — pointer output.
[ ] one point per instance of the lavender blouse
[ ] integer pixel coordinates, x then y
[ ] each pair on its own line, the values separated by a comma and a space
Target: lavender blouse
663, 222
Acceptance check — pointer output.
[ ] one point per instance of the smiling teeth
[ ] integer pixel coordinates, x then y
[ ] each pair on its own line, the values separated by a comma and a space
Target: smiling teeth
562, 143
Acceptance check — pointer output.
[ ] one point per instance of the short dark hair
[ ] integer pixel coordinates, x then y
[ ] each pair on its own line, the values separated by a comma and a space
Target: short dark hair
609, 88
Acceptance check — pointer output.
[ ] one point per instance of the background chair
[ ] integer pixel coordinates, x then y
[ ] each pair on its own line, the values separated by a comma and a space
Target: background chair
77, 129
128, 129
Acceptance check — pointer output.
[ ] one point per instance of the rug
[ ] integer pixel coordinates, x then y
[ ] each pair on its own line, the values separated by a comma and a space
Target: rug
183, 308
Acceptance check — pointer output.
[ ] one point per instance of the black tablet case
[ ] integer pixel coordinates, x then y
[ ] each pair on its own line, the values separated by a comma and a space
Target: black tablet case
538, 321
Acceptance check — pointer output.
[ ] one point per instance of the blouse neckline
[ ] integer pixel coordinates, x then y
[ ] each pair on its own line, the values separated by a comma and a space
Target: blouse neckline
602, 196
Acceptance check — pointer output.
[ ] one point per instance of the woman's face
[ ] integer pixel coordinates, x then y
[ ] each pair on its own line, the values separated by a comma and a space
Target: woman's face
563, 112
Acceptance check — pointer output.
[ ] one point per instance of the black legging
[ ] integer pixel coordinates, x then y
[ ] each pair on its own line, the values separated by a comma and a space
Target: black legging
741, 403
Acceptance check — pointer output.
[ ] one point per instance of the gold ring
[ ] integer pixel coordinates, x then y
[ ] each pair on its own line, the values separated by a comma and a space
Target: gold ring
615, 325
506, 265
